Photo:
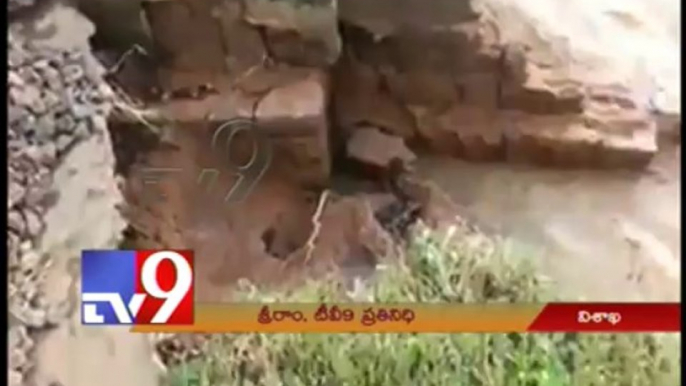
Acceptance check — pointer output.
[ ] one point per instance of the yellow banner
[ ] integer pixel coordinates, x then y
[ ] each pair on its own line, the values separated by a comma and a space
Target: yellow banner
343, 317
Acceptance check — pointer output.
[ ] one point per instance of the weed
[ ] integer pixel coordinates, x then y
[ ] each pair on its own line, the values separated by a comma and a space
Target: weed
469, 268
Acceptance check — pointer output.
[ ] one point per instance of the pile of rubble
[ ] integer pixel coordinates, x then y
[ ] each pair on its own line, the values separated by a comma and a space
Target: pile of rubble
56, 100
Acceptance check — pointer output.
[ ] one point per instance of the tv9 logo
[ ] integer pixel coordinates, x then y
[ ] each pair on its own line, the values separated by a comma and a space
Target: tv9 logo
136, 287
240, 151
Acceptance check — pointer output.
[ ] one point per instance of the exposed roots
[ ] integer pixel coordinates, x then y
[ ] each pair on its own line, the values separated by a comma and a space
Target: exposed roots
316, 225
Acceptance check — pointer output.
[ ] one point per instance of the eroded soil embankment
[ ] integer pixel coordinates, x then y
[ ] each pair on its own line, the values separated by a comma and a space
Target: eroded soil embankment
278, 232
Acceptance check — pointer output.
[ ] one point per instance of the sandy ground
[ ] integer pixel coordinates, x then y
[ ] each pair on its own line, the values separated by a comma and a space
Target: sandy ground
601, 235
72, 354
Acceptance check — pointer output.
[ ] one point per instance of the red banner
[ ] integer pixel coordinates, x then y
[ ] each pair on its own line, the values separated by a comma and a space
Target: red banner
608, 317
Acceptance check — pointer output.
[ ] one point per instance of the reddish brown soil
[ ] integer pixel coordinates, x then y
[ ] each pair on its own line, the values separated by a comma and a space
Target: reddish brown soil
263, 238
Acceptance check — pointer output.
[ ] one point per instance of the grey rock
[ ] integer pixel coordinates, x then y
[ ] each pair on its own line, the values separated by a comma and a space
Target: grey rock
49, 153
63, 142
72, 73
16, 222
98, 123
17, 359
82, 130
14, 145
41, 64
64, 123
34, 224
31, 152
51, 78
17, 336
31, 317
14, 58
39, 105
12, 289
39, 300
30, 260
12, 244
15, 378
27, 288
24, 96
15, 114
81, 110
13, 79
16, 192
46, 127
26, 246
51, 99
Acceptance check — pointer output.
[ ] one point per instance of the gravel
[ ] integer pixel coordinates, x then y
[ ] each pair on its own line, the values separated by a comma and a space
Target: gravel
56, 99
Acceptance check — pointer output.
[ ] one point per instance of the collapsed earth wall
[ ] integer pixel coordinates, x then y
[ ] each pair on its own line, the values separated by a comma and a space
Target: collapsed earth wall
439, 76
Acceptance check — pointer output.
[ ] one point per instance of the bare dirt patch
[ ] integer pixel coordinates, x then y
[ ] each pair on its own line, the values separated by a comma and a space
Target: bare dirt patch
604, 235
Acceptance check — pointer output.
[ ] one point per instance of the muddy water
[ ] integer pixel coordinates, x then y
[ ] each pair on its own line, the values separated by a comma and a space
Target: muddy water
599, 235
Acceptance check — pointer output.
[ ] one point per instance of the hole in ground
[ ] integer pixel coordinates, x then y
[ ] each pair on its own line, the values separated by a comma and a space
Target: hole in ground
253, 239
277, 245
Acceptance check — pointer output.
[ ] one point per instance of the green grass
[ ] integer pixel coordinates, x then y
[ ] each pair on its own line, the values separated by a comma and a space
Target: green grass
471, 268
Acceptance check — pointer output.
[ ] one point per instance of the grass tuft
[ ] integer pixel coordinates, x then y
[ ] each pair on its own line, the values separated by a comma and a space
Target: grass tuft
469, 267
